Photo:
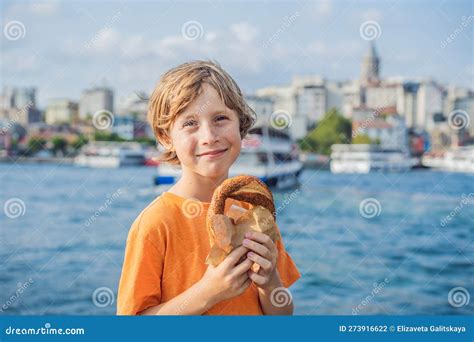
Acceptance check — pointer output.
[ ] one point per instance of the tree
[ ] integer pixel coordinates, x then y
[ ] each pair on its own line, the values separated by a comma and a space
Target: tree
332, 129
362, 139
106, 136
365, 139
146, 140
79, 142
59, 145
35, 144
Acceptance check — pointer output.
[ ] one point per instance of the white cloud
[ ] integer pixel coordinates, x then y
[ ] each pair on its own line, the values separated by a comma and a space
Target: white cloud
105, 40
323, 8
244, 32
317, 48
210, 36
40, 8
27, 62
136, 46
371, 14
45, 8
320, 10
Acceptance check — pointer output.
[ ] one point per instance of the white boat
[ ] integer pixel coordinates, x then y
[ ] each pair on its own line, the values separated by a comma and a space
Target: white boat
266, 153
460, 159
362, 158
101, 154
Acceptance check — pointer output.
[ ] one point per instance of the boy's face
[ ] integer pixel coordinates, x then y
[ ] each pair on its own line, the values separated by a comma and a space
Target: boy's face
207, 125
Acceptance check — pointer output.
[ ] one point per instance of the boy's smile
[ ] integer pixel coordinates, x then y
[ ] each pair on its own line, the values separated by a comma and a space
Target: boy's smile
214, 153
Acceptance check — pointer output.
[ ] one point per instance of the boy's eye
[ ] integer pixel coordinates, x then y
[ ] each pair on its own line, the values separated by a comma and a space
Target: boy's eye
189, 123
222, 117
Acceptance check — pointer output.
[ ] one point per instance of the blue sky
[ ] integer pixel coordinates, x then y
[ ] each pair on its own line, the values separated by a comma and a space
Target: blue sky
66, 47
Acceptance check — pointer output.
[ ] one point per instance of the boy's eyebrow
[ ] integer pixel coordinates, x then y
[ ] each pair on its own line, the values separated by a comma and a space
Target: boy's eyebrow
193, 115
186, 116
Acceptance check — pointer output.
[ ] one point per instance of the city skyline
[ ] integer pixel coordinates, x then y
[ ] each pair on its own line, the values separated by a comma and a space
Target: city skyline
61, 57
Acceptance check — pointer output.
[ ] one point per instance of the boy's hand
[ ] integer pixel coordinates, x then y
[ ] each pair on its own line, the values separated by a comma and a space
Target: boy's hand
264, 253
228, 279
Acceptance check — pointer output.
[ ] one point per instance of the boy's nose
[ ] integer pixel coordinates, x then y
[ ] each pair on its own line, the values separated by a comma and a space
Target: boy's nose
208, 134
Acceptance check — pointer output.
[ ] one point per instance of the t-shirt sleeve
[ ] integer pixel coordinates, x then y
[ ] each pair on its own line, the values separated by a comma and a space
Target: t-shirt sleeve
286, 267
140, 282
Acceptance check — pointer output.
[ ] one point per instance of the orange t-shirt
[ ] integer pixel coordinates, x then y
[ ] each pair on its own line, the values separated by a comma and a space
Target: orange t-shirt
166, 249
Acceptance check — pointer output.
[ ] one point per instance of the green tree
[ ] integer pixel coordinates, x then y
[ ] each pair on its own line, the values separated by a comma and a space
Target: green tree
362, 139
35, 144
59, 144
332, 129
146, 140
79, 142
106, 136
365, 139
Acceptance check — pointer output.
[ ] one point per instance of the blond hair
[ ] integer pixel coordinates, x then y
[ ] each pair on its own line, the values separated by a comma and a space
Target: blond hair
180, 86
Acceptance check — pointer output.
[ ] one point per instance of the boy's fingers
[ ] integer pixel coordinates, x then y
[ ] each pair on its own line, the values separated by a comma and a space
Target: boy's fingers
258, 248
246, 284
242, 279
261, 238
258, 236
243, 267
264, 263
256, 278
234, 256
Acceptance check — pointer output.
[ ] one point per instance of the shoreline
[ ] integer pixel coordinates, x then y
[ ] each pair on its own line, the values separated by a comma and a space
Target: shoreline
38, 160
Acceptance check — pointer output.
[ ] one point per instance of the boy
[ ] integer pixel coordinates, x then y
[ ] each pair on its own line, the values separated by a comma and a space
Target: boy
198, 114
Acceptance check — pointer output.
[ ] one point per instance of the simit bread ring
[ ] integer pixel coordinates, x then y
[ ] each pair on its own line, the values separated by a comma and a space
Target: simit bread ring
225, 233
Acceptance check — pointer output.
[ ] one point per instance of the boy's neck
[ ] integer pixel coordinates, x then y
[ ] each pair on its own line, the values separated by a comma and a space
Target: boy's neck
197, 186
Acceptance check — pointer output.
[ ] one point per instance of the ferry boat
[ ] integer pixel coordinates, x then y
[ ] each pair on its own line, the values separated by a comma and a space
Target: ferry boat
460, 159
101, 154
266, 153
362, 158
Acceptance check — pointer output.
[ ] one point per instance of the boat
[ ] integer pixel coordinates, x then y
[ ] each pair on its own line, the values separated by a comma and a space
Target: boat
365, 158
101, 154
315, 161
152, 157
267, 153
459, 159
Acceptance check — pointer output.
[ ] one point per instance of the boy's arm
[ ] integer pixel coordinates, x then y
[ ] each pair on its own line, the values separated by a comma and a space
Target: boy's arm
267, 296
227, 280
193, 301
